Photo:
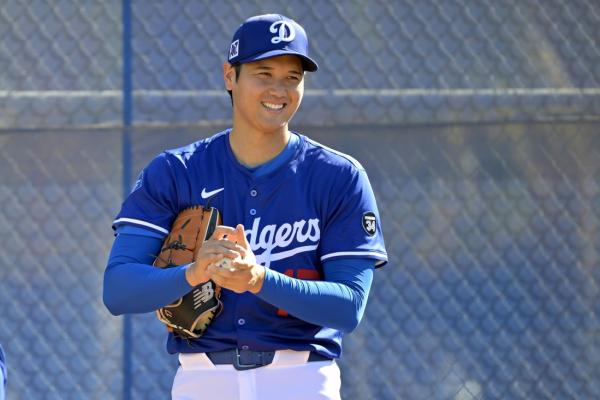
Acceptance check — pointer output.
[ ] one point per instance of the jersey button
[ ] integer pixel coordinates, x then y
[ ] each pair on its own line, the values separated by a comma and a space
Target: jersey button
252, 211
253, 193
241, 321
244, 347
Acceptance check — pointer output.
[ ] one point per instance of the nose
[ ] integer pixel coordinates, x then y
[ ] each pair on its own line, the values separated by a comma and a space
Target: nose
278, 88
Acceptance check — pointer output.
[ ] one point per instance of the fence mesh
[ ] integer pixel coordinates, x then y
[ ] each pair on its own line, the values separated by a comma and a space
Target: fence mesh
495, 234
57, 193
61, 64
381, 62
476, 121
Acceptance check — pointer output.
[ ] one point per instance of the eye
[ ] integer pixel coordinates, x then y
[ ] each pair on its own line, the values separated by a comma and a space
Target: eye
265, 74
294, 78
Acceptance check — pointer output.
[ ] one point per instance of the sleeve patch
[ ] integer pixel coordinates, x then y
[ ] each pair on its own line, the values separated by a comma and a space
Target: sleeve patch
369, 223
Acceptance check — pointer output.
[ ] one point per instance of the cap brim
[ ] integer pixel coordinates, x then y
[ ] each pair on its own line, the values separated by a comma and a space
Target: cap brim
307, 63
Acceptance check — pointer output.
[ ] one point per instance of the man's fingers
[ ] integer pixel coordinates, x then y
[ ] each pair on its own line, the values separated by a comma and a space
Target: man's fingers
228, 241
237, 234
241, 234
218, 253
220, 245
223, 244
229, 270
221, 231
218, 274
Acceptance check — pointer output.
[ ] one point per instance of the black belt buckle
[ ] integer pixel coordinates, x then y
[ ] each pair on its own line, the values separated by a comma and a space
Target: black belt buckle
242, 367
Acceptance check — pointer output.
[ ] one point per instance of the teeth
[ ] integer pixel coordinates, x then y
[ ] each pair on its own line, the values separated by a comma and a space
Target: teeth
273, 106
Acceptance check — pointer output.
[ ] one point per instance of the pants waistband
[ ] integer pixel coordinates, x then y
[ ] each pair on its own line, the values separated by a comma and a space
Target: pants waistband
247, 359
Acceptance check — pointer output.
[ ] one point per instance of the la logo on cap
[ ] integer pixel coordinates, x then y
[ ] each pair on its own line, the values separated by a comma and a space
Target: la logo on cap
284, 30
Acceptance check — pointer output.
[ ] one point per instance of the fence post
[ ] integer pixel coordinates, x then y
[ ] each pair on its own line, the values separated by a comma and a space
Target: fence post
126, 148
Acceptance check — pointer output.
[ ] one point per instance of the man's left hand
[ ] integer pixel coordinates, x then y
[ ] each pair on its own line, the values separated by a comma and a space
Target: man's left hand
243, 274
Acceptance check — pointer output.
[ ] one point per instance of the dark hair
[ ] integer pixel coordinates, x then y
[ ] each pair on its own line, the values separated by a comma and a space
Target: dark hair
237, 68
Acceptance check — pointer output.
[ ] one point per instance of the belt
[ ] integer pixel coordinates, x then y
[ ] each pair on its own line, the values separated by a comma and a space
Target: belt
248, 359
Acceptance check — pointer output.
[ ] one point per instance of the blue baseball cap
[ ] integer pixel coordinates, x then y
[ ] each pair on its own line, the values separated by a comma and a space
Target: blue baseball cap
270, 35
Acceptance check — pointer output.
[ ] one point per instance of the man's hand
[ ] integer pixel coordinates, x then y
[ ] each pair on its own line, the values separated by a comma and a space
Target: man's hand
213, 250
244, 274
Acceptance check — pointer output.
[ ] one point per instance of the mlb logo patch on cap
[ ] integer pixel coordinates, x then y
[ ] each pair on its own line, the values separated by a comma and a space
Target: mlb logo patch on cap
270, 35
234, 50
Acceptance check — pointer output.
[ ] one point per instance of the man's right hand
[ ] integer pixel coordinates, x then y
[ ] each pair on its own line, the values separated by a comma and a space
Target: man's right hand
219, 246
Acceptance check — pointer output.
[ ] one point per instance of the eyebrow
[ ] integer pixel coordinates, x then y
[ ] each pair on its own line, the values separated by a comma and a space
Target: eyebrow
266, 67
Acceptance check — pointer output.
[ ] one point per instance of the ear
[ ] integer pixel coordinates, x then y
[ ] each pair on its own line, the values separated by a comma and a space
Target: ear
228, 76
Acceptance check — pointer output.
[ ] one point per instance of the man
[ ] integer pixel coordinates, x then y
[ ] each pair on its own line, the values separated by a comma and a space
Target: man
300, 224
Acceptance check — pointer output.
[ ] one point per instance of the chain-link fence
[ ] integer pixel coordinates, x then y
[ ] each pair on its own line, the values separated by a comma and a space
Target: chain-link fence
476, 121
382, 62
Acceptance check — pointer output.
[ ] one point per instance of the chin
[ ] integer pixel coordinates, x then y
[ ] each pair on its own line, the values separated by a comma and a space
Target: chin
273, 129
273, 126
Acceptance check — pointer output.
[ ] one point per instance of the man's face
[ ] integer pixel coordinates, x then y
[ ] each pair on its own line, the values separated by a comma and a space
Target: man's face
267, 92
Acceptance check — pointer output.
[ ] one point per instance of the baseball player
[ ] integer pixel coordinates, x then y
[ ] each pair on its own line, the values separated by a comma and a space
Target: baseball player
299, 223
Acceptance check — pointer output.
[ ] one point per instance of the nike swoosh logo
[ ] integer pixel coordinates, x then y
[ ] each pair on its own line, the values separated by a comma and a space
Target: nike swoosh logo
206, 195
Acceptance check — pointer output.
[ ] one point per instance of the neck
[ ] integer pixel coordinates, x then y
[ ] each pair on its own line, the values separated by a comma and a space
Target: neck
253, 149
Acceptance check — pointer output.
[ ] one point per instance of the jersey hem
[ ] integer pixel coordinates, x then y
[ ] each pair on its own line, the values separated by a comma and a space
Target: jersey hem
140, 223
381, 258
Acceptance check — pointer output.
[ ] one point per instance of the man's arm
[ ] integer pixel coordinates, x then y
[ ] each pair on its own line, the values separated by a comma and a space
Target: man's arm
337, 302
132, 284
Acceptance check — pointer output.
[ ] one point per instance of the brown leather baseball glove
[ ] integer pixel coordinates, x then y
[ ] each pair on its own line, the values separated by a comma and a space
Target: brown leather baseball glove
190, 315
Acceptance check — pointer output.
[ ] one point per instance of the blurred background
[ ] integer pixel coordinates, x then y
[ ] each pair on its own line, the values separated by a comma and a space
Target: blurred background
477, 121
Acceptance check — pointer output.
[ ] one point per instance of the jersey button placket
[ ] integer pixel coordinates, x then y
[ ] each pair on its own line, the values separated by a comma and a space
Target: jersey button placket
242, 305
253, 201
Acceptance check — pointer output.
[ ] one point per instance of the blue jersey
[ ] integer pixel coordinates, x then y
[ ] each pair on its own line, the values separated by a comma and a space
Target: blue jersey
317, 206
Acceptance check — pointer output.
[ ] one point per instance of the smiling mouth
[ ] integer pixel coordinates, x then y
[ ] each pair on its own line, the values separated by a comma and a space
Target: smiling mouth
273, 106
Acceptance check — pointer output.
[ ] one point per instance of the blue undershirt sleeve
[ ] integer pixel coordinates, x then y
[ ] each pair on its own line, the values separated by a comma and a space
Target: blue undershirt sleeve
134, 230
337, 302
132, 284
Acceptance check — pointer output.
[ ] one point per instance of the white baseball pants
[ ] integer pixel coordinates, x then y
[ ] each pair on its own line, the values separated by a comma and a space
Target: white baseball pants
288, 377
